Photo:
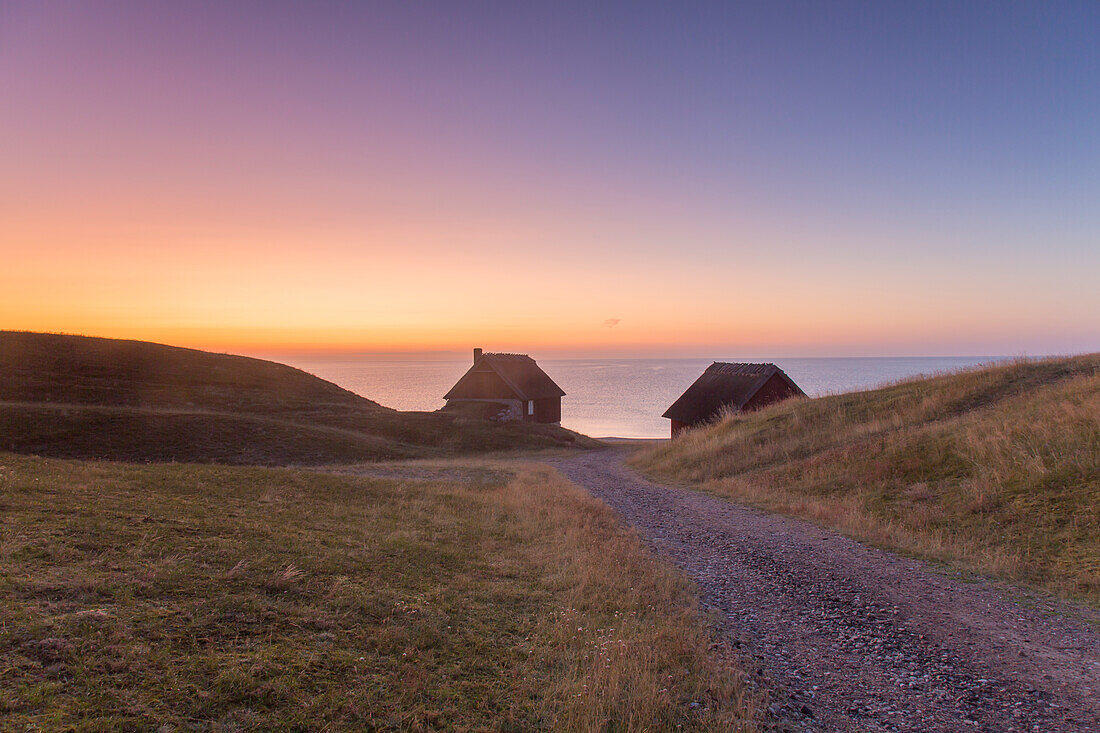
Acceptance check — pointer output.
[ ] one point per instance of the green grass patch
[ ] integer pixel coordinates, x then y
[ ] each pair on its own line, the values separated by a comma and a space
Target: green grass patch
183, 597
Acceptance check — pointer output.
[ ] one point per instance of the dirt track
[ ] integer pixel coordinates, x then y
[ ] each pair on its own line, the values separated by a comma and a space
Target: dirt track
849, 638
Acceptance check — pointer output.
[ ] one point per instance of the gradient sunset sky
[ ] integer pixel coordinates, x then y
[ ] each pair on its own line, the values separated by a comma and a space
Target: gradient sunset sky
771, 178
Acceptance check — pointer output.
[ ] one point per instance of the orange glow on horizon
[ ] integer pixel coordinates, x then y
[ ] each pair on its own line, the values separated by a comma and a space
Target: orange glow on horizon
400, 287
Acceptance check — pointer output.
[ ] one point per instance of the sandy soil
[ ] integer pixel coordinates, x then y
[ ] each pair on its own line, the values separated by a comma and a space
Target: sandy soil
850, 638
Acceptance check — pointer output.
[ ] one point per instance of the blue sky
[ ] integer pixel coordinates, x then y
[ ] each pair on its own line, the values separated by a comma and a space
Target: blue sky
897, 177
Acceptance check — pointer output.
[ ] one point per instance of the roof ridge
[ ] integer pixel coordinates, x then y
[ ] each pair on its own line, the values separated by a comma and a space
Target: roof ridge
741, 367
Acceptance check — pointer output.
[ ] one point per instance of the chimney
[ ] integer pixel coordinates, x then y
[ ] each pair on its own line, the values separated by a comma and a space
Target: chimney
477, 355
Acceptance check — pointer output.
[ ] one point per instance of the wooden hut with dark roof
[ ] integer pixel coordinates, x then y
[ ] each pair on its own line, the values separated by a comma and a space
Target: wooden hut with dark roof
725, 386
507, 387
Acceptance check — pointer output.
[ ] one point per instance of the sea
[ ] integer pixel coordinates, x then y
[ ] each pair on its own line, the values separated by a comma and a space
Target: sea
616, 397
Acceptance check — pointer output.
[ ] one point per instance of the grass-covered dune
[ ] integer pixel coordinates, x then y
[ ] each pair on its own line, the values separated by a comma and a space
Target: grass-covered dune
995, 469
81, 397
187, 597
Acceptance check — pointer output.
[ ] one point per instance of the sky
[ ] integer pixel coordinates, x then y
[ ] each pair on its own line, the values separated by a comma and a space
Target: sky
681, 179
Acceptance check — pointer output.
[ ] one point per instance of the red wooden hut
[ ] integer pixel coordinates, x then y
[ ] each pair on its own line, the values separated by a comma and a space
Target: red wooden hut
510, 387
738, 387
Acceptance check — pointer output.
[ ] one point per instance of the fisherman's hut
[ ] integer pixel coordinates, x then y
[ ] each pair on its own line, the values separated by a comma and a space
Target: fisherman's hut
737, 387
507, 387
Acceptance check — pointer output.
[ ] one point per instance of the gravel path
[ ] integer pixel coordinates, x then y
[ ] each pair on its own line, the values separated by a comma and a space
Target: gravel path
849, 638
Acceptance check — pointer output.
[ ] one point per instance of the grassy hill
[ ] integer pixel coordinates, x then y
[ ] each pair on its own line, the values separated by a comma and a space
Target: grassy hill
187, 597
81, 397
996, 469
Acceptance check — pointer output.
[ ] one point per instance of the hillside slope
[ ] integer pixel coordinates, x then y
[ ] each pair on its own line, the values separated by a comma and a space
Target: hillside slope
996, 469
81, 397
40, 367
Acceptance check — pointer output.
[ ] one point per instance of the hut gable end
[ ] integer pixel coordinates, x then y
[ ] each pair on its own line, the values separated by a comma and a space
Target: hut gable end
482, 382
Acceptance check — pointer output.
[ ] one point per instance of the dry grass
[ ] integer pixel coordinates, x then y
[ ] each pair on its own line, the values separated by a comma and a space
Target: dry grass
996, 470
626, 640
212, 598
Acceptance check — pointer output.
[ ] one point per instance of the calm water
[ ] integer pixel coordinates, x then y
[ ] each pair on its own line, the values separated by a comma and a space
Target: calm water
615, 397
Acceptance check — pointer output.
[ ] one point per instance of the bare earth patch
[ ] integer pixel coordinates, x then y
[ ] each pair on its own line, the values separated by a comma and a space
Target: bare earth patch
858, 639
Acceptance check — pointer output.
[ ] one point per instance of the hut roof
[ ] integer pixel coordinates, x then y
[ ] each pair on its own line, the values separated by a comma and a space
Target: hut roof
724, 385
519, 372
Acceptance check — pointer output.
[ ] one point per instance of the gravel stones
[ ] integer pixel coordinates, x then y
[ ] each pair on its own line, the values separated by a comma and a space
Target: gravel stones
850, 638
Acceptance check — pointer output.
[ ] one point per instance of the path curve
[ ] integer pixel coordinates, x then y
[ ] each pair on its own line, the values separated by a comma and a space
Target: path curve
852, 638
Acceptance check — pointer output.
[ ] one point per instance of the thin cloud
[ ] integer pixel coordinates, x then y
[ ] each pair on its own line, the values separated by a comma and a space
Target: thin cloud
612, 322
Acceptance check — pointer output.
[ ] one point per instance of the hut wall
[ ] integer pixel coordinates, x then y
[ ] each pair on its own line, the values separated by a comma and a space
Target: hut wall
774, 390
499, 410
546, 410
